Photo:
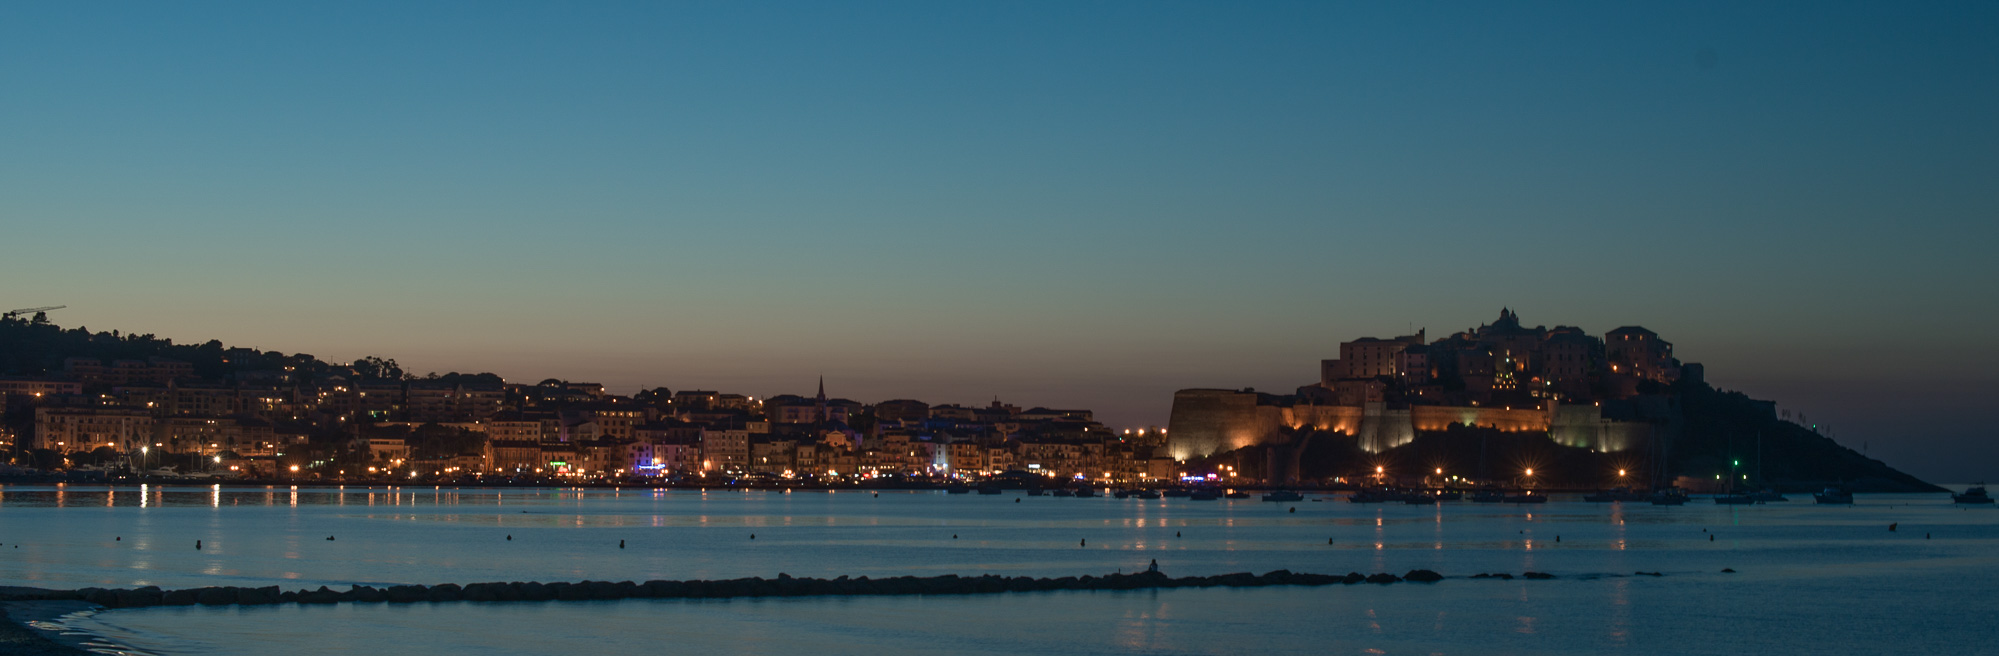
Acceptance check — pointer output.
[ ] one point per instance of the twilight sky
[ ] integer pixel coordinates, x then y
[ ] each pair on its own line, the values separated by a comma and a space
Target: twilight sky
1066, 204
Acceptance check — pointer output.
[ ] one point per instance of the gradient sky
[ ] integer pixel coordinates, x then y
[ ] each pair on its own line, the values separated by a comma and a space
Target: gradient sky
1067, 204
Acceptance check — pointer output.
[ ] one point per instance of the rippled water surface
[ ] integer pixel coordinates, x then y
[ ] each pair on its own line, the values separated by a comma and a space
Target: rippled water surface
1812, 579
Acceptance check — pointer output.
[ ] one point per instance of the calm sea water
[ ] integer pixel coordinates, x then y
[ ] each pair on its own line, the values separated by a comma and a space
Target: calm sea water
1812, 579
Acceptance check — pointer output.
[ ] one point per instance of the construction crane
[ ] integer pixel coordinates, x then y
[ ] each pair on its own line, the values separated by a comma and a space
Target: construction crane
15, 313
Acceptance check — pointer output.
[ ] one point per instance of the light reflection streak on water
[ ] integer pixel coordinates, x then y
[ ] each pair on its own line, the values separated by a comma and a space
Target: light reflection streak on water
1620, 611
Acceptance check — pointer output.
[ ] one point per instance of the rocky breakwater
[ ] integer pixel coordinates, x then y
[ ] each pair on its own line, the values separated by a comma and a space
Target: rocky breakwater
783, 586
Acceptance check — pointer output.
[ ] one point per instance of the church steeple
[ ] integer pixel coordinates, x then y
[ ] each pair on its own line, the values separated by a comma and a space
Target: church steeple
820, 404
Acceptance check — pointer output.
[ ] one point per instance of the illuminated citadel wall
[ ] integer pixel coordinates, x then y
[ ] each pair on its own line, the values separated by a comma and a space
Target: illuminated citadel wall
1206, 421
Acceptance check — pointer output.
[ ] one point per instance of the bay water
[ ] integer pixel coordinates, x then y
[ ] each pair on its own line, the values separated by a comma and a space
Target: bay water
1808, 578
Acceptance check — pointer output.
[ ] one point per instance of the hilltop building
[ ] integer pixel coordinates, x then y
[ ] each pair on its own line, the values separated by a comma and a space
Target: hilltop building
1580, 390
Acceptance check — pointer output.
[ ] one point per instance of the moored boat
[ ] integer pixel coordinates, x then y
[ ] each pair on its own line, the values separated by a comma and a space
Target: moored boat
1767, 496
1204, 495
1614, 495
1734, 500
1668, 497
1370, 496
1238, 494
1833, 496
1085, 493
1144, 494
1975, 494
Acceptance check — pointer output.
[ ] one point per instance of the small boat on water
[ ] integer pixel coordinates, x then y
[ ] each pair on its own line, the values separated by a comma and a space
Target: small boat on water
1419, 499
1767, 496
1121, 494
1668, 497
1734, 500
1974, 494
1144, 494
1488, 496
1371, 496
989, 490
1614, 495
1238, 494
1085, 493
1452, 495
1283, 495
1064, 492
1036, 492
1204, 495
1527, 497
1833, 496
957, 489
1178, 492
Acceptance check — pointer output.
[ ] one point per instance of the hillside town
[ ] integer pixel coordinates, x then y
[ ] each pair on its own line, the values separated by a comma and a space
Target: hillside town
270, 416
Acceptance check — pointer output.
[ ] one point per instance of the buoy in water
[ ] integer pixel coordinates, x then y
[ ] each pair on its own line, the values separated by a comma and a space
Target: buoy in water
197, 545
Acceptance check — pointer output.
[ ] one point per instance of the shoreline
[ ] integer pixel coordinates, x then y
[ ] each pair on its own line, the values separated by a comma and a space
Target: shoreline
23, 628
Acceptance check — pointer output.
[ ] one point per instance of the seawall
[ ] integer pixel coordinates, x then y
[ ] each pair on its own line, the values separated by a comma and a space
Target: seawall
782, 586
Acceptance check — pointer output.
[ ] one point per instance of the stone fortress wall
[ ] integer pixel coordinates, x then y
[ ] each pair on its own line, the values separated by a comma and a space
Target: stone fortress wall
1207, 421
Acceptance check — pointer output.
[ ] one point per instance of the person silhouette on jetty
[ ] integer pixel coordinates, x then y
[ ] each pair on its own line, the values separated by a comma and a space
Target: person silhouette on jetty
621, 544
1084, 543
1153, 568
197, 545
